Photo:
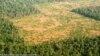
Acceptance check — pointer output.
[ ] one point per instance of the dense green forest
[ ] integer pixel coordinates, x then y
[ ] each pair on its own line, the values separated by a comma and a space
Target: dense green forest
93, 12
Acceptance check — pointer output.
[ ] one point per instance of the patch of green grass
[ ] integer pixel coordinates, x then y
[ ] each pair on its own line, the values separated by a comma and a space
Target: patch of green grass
46, 1
48, 23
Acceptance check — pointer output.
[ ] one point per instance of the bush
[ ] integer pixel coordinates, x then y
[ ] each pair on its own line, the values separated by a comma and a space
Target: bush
9, 36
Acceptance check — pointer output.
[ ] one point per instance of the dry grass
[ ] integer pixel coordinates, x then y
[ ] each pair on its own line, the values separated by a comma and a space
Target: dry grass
95, 32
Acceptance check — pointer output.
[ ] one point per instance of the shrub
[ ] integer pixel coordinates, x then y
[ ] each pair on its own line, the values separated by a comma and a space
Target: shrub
9, 36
